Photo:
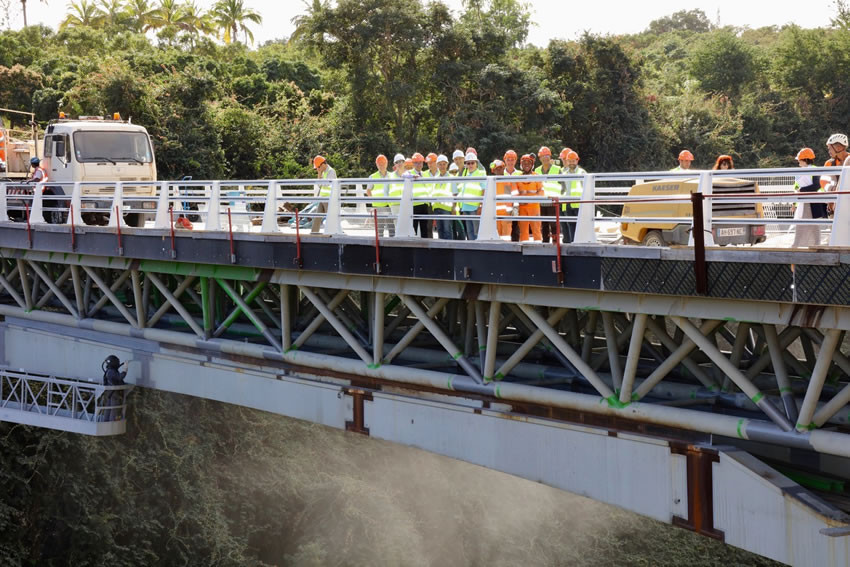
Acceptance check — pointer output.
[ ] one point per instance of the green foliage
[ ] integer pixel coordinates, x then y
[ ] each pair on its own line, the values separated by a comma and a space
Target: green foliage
722, 63
683, 20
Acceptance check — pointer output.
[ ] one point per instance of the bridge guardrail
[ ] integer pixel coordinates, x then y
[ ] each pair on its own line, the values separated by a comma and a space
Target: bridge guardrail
240, 204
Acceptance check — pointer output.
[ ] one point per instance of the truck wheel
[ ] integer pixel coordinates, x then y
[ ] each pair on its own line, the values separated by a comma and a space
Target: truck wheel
653, 238
135, 220
54, 216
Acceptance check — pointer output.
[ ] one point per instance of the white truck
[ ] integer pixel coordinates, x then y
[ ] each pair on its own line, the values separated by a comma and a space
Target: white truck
94, 149
91, 149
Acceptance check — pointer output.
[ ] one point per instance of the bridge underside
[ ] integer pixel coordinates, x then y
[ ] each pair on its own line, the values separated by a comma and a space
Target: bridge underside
415, 333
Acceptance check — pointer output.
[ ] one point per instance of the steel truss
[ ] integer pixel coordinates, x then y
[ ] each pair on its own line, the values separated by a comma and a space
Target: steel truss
717, 366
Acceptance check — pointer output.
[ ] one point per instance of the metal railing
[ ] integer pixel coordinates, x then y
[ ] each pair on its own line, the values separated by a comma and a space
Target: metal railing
50, 396
341, 206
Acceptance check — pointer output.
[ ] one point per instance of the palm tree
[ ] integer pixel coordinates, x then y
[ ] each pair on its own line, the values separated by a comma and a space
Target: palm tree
24, 8
81, 13
113, 12
197, 21
232, 16
140, 13
168, 16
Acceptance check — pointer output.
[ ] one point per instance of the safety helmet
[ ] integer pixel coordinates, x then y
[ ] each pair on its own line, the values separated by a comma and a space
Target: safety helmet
564, 152
496, 163
837, 139
544, 151
441, 157
111, 362
509, 153
571, 155
398, 158
417, 157
431, 158
457, 154
470, 156
806, 153
686, 155
471, 150
317, 161
527, 157
35, 162
408, 163
381, 159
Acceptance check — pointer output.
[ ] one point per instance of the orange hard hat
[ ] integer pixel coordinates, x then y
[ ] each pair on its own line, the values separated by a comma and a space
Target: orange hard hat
510, 153
431, 158
686, 155
527, 157
572, 155
544, 151
805, 153
470, 149
417, 157
317, 161
381, 159
408, 162
564, 152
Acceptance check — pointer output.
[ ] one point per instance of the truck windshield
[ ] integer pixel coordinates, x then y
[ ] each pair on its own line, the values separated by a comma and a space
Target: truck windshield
112, 147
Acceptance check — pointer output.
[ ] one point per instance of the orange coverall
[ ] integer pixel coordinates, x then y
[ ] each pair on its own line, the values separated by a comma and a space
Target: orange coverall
503, 208
530, 189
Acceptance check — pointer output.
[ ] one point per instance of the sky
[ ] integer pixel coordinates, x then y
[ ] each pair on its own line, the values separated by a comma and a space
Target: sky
553, 19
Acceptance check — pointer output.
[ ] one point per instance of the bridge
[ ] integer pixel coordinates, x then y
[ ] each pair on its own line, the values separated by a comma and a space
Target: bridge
702, 386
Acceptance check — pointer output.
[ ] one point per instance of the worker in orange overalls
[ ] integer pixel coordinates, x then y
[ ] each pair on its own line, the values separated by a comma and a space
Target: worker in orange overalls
503, 207
529, 189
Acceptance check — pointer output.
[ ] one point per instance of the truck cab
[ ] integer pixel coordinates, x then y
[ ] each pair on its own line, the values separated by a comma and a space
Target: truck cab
99, 149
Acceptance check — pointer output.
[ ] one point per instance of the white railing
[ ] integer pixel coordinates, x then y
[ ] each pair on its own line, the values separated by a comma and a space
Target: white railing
271, 206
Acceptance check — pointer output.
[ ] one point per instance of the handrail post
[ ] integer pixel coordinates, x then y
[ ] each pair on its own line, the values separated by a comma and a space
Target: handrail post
404, 223
213, 216
162, 216
840, 235
76, 216
333, 224
270, 210
584, 231
36, 211
360, 207
4, 208
487, 225
117, 205
705, 187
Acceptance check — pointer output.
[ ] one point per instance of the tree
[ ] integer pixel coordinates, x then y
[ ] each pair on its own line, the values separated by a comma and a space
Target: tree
167, 18
140, 14
232, 16
722, 63
112, 13
82, 13
197, 21
683, 20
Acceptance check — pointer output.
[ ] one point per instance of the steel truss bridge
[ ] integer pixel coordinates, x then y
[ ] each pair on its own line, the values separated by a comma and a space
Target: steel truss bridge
705, 387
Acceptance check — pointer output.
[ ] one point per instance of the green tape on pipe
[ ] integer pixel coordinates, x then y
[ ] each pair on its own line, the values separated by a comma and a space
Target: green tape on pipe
757, 398
786, 389
456, 356
808, 427
499, 376
740, 424
614, 402
498, 391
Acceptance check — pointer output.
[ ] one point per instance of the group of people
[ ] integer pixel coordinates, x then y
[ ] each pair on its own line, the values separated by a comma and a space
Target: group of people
460, 201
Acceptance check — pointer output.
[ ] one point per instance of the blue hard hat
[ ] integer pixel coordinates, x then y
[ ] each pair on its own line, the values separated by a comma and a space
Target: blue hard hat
35, 161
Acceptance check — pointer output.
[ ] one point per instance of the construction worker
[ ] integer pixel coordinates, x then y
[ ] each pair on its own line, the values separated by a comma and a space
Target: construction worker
529, 189
724, 162
563, 156
510, 159
685, 159
39, 175
575, 189
379, 190
471, 189
457, 168
431, 160
836, 145
323, 171
458, 159
551, 189
504, 201
807, 234
420, 191
443, 208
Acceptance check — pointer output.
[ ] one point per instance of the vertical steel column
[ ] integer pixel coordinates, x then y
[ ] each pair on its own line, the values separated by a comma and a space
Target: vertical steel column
589, 335
613, 350
285, 317
25, 284
638, 330
469, 328
206, 307
807, 410
78, 290
782, 381
492, 341
378, 328
481, 332
137, 298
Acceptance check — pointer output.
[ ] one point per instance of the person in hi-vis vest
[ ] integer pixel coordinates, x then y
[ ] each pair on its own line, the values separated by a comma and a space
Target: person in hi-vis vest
323, 171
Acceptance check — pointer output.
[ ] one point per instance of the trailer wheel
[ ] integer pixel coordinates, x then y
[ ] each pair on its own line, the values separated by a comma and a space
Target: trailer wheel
653, 238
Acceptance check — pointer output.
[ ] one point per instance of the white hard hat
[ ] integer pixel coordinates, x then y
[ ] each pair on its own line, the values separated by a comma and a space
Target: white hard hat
453, 167
471, 157
442, 157
457, 154
398, 158
837, 139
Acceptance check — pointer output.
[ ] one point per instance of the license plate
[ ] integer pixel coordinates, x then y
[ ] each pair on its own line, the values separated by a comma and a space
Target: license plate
732, 231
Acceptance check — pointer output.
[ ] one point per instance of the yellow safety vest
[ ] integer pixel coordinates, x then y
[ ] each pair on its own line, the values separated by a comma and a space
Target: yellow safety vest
325, 190
576, 189
396, 189
550, 188
472, 189
379, 190
420, 190
441, 190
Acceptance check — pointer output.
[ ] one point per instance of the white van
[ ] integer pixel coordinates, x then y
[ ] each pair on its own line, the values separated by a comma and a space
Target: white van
99, 149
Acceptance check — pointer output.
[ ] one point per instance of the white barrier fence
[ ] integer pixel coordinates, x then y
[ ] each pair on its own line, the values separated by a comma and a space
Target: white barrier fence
342, 206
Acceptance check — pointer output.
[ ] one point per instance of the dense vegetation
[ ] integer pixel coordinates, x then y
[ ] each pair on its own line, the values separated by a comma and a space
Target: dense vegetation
362, 77
201, 483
